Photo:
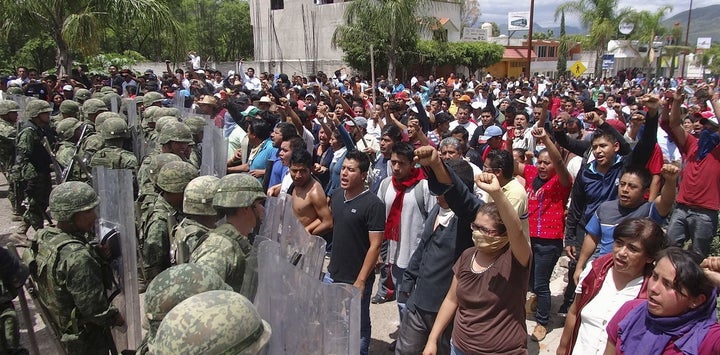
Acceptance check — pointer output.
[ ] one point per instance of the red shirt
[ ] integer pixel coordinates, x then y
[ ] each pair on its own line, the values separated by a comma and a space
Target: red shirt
546, 206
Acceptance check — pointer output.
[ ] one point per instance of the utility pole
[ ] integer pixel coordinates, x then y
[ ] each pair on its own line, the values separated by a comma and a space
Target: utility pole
687, 33
530, 34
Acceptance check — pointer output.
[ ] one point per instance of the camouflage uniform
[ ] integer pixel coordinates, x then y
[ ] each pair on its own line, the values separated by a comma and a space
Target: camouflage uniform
33, 164
81, 95
69, 276
113, 156
213, 322
66, 151
147, 177
13, 275
171, 287
68, 108
93, 140
197, 201
197, 125
8, 135
155, 243
224, 249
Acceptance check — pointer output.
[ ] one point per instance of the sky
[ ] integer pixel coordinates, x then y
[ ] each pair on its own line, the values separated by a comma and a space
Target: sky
545, 9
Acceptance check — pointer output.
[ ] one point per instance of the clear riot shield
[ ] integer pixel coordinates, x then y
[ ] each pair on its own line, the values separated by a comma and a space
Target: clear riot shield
305, 251
139, 146
116, 228
115, 104
21, 100
214, 151
326, 317
271, 225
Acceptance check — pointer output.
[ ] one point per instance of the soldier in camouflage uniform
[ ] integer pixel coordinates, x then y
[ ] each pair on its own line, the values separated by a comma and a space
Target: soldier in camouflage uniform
81, 95
171, 287
200, 218
147, 174
164, 214
197, 125
69, 130
113, 156
213, 322
32, 164
240, 198
69, 272
13, 274
68, 108
93, 141
8, 133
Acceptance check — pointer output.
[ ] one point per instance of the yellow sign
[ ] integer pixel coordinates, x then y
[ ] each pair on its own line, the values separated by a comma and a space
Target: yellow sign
578, 68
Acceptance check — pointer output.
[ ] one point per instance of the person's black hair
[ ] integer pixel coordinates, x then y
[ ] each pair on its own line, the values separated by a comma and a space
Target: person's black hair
303, 115
524, 114
651, 236
297, 143
269, 116
503, 160
404, 149
487, 109
689, 276
260, 128
395, 107
361, 158
303, 157
463, 170
604, 134
521, 152
287, 130
466, 107
393, 132
639, 171
461, 130
443, 117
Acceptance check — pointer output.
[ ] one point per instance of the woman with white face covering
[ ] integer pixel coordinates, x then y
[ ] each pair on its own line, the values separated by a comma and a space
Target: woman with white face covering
487, 294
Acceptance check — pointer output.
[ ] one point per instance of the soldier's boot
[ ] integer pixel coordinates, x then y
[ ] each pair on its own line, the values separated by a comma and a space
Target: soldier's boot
22, 228
16, 217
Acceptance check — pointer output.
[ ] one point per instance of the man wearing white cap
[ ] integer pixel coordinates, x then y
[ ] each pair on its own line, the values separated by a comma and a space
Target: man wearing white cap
357, 127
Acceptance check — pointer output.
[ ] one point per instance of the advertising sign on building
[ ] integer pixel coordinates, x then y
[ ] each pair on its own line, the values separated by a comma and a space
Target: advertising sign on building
704, 42
519, 21
608, 61
474, 34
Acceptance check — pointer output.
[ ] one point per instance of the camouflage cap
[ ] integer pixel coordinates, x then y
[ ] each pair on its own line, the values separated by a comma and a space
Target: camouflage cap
175, 132
81, 95
71, 197
14, 90
175, 285
114, 127
109, 97
162, 121
152, 97
157, 162
149, 114
7, 106
174, 176
167, 111
213, 322
69, 107
102, 117
94, 106
35, 107
196, 124
199, 195
66, 128
237, 190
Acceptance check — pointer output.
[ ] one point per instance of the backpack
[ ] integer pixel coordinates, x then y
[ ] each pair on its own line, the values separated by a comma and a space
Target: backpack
419, 195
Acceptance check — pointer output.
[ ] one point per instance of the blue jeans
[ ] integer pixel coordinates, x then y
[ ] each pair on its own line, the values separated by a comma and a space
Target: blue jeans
365, 326
546, 253
698, 224
454, 350
397, 277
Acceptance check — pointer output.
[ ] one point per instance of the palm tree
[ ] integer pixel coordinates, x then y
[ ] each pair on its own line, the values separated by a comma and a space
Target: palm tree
80, 25
648, 25
600, 17
392, 26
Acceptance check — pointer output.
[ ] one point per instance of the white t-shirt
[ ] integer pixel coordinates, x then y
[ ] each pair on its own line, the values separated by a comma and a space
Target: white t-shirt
469, 126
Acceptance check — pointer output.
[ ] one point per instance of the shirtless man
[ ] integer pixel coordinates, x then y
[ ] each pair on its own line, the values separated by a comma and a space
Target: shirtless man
308, 197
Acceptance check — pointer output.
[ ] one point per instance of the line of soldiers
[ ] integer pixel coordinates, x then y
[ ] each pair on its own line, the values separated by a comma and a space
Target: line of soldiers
176, 212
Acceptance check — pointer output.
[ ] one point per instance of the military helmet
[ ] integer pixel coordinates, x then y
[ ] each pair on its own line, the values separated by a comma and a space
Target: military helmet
175, 285
109, 97
157, 162
114, 127
97, 95
69, 107
7, 106
94, 106
71, 197
66, 127
174, 176
81, 95
199, 195
14, 90
168, 111
213, 322
102, 117
149, 114
35, 107
162, 121
237, 190
175, 132
196, 124
106, 90
152, 97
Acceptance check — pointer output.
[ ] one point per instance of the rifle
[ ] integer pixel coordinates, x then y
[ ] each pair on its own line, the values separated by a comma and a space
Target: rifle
56, 165
66, 172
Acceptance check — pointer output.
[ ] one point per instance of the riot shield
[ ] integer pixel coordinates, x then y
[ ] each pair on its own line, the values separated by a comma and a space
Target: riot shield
21, 100
306, 251
139, 145
214, 151
116, 228
326, 317
272, 222
115, 104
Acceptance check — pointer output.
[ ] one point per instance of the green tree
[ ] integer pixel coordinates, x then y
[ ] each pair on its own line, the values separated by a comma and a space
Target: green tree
710, 59
495, 29
648, 25
563, 47
600, 17
391, 26
81, 25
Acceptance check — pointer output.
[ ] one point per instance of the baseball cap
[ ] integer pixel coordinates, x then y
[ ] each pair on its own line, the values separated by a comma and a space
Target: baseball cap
361, 121
402, 95
67, 88
475, 105
707, 116
465, 98
490, 132
618, 125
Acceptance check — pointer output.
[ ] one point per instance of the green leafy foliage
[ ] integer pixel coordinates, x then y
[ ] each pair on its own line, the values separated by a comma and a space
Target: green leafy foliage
474, 55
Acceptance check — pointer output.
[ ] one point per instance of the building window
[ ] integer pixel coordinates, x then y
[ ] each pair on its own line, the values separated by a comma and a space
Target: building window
551, 51
277, 4
541, 51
